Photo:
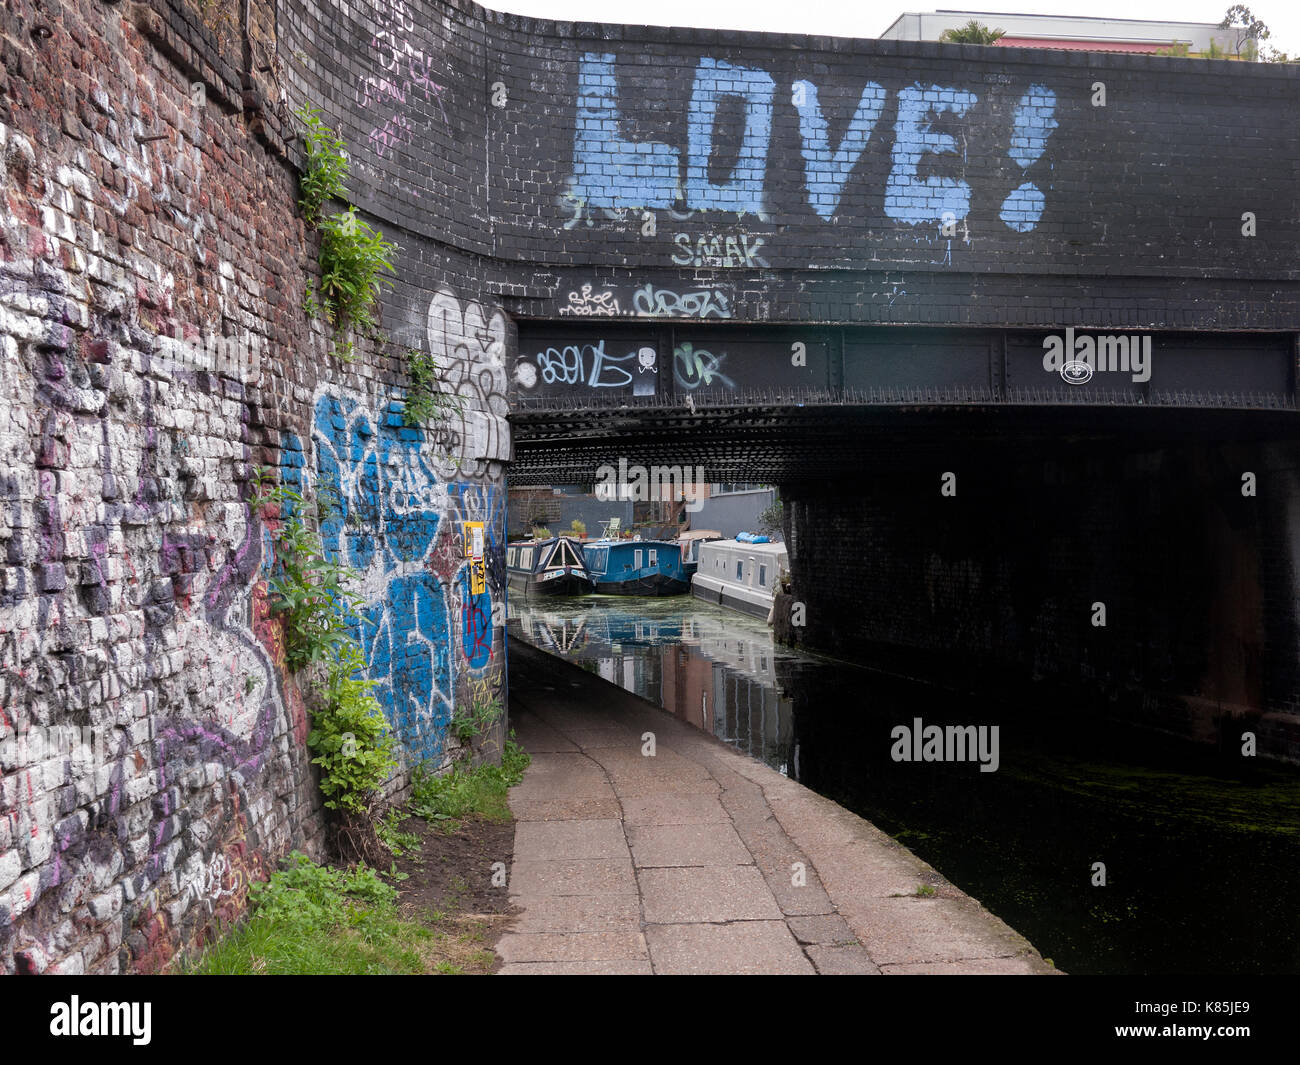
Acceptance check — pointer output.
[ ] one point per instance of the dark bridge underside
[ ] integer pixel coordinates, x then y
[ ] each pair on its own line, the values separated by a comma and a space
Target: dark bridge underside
777, 440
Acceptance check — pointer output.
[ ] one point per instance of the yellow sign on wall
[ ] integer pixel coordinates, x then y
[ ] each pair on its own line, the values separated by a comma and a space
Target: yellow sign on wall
473, 532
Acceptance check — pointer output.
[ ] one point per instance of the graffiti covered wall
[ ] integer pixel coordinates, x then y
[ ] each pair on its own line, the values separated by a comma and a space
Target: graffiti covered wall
154, 354
404, 496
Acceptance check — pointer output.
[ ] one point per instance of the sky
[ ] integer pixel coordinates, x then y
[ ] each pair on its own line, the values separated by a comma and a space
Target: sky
865, 18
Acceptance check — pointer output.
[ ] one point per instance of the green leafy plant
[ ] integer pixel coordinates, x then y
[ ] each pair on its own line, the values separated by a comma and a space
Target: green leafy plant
326, 165
541, 532
390, 834
481, 716
353, 256
310, 896
311, 918
426, 402
578, 527
352, 259
308, 589
350, 736
469, 791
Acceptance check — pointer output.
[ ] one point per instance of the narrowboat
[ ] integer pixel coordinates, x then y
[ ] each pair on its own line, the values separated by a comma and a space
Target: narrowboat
636, 567
547, 567
742, 573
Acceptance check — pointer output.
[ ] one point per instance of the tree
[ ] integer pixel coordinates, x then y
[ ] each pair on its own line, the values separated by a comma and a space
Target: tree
972, 33
769, 521
1248, 30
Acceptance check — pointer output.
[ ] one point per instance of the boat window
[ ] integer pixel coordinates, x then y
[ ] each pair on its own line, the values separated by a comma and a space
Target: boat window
751, 570
510, 556
652, 556
526, 558
636, 559
740, 569
762, 576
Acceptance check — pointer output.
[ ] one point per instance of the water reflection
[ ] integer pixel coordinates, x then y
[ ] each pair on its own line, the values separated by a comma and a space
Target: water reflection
712, 668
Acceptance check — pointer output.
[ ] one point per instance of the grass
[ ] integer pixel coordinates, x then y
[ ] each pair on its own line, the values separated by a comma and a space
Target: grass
315, 919
310, 918
469, 791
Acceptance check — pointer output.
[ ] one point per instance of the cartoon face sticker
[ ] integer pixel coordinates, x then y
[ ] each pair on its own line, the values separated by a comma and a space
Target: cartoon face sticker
645, 358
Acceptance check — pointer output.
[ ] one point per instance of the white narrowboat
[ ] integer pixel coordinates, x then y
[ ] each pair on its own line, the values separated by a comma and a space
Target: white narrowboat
742, 574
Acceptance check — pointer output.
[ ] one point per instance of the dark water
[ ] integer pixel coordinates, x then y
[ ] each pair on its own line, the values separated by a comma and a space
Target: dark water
1201, 855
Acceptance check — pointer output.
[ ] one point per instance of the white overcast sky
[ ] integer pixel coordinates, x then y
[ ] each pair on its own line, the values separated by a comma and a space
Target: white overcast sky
869, 18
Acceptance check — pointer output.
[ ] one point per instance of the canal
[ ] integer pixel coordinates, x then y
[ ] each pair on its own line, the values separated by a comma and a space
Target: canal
1200, 855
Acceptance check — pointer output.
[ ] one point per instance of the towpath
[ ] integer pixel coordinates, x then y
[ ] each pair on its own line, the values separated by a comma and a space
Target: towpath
700, 860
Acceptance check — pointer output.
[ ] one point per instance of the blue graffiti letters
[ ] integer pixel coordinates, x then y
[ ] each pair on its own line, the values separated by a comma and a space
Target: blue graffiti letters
587, 364
607, 170
696, 368
1034, 121
661, 302
826, 173
716, 80
907, 197
727, 153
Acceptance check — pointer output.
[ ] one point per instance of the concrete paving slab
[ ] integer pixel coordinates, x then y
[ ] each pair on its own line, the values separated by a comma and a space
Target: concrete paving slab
621, 761
576, 913
678, 845
902, 930
630, 785
1022, 966
578, 968
585, 876
525, 809
571, 946
826, 929
673, 810
591, 739
593, 828
842, 961
744, 948
706, 893
551, 840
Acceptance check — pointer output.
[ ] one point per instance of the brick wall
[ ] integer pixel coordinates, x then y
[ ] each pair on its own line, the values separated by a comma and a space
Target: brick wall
153, 756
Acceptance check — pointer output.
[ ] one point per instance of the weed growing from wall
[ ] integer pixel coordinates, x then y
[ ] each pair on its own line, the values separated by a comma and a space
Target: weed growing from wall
353, 257
478, 721
325, 168
426, 402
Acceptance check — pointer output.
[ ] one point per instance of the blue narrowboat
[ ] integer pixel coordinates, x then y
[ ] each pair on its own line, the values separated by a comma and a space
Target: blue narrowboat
636, 567
547, 567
